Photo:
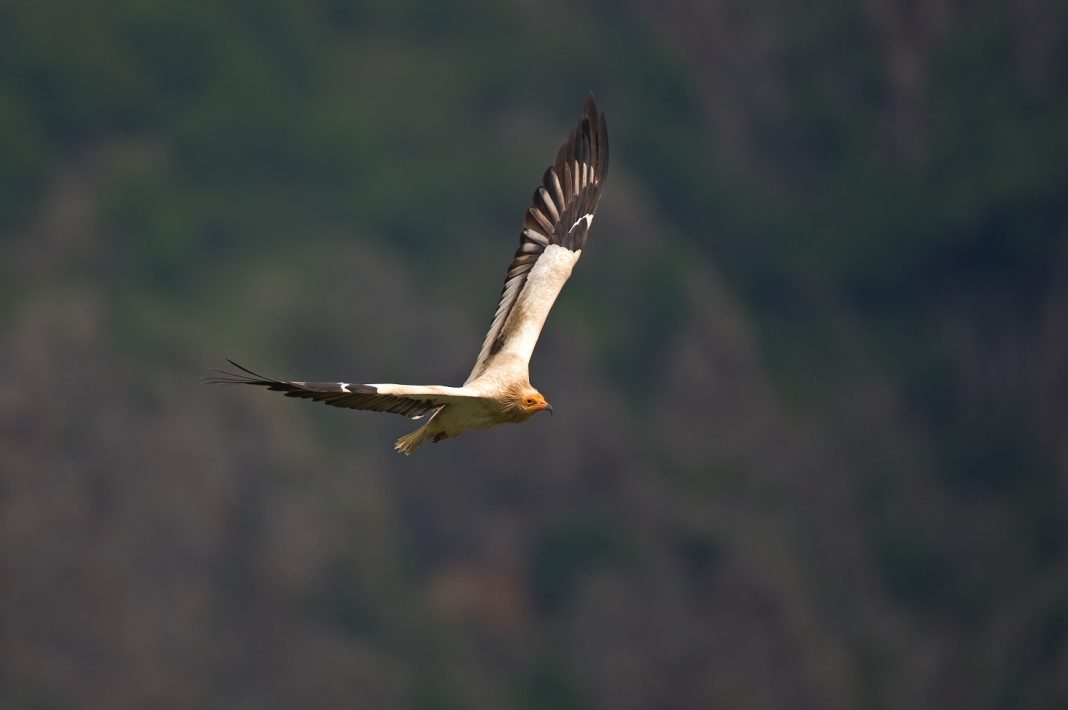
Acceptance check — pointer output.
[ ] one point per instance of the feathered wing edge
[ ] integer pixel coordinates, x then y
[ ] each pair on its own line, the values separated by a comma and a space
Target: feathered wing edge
412, 401
561, 212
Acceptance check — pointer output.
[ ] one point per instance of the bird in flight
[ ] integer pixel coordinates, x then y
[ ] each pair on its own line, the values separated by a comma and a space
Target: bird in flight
498, 390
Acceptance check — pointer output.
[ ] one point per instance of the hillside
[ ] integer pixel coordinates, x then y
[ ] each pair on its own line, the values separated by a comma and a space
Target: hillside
810, 377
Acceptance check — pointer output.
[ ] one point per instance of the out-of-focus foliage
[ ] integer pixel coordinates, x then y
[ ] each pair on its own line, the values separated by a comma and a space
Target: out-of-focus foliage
810, 379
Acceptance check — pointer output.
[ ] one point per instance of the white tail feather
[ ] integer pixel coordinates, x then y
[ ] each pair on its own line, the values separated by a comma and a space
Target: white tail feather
410, 442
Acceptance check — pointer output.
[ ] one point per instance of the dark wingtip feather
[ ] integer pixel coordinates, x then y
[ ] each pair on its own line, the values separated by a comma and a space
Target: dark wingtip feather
590, 108
236, 378
248, 371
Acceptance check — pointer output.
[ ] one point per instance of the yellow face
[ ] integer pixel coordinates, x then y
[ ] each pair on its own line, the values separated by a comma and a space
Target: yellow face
533, 402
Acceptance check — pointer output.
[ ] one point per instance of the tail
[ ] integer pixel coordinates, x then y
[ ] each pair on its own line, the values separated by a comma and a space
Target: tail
410, 442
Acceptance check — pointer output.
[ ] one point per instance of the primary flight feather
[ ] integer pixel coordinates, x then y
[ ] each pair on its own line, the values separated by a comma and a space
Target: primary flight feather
498, 390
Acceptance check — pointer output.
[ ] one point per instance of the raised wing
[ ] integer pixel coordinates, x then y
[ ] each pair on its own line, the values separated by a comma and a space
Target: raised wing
554, 232
412, 401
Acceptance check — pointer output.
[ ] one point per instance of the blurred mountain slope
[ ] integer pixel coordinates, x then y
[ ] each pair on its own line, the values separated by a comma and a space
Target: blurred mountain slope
810, 377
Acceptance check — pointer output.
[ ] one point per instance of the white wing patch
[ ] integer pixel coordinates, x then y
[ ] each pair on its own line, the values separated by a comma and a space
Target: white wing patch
422, 391
344, 386
587, 217
544, 282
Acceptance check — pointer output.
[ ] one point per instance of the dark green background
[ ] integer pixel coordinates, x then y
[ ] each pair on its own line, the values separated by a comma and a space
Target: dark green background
810, 377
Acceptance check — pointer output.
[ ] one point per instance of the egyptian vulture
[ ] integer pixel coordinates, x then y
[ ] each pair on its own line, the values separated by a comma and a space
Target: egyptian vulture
498, 389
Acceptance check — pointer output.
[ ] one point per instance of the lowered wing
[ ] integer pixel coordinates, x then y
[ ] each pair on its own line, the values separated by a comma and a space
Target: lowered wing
412, 401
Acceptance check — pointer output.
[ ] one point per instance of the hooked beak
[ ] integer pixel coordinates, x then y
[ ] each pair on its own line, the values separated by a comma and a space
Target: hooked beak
549, 408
